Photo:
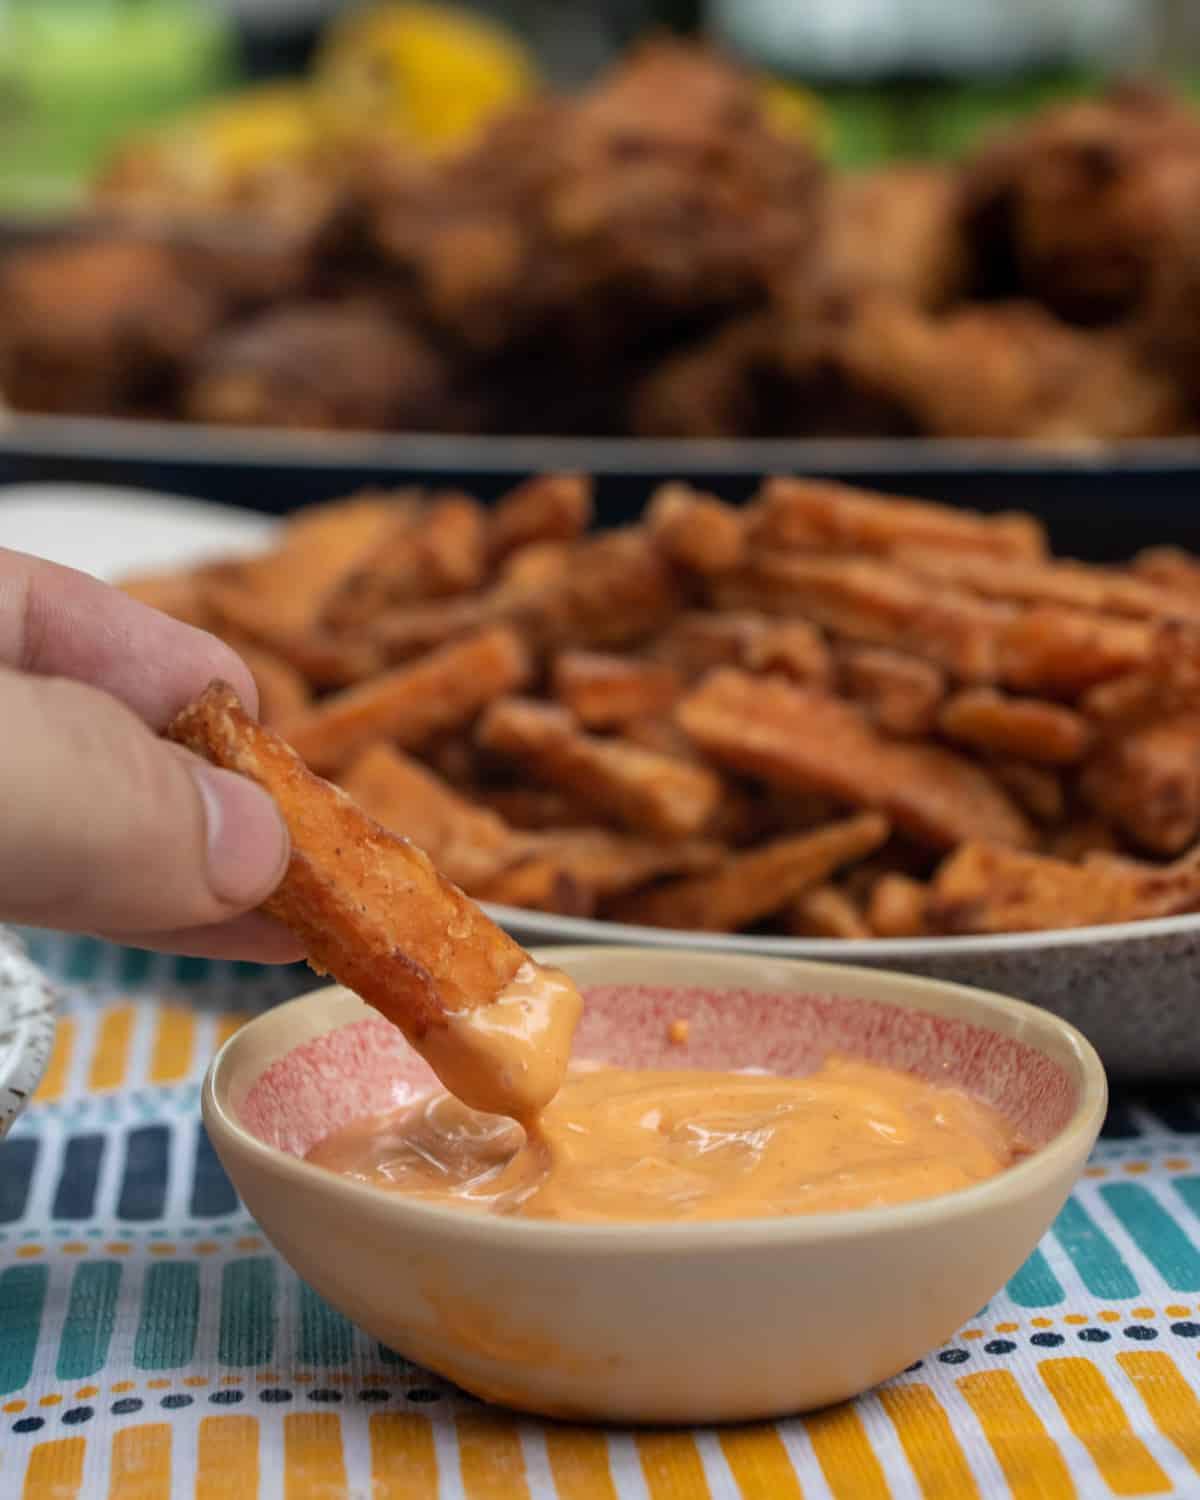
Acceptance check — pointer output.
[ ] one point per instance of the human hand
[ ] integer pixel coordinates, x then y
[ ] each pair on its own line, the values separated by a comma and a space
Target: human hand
107, 829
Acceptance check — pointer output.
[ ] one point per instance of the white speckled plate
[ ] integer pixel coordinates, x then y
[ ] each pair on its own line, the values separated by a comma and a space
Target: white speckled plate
26, 1028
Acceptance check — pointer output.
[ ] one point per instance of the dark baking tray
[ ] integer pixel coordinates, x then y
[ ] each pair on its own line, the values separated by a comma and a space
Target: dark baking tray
1100, 503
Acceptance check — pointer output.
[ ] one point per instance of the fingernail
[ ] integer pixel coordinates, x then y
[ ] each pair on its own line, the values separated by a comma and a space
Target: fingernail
246, 836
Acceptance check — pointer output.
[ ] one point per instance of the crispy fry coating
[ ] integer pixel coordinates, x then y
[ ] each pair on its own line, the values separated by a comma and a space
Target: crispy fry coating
752, 886
802, 738
645, 791
412, 704
369, 906
547, 508
695, 531
1051, 649
1147, 783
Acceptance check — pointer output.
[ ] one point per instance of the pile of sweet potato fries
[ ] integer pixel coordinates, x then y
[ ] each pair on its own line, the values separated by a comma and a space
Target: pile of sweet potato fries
827, 713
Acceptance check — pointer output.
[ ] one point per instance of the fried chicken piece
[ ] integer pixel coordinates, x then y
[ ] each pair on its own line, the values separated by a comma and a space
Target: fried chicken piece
1078, 205
646, 791
897, 230
1147, 783
322, 365
754, 885
102, 326
659, 197
983, 888
1009, 370
803, 739
373, 912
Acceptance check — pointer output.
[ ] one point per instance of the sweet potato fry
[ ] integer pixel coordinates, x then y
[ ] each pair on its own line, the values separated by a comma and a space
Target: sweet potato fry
609, 864
547, 508
1023, 728
539, 883
180, 595
649, 793
619, 592
752, 886
1072, 584
468, 844
370, 907
802, 738
327, 661
876, 602
792, 648
1147, 783
1038, 789
984, 888
695, 642
1051, 649
427, 554
1170, 568
411, 704
820, 515
900, 693
897, 907
1080, 839
282, 690
604, 691
825, 912
696, 531
535, 808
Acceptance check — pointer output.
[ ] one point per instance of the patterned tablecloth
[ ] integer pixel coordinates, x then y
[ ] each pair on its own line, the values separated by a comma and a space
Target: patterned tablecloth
153, 1347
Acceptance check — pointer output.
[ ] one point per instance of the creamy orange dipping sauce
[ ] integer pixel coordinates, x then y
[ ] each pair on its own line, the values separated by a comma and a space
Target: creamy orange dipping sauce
619, 1146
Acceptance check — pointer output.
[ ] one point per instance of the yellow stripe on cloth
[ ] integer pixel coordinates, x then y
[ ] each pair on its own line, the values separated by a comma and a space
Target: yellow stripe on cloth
845, 1454
227, 1459
403, 1459
55, 1470
489, 1454
313, 1466
174, 1040
110, 1057
672, 1466
54, 1080
1032, 1461
929, 1443
229, 1022
141, 1463
1169, 1399
1098, 1420
760, 1464
579, 1463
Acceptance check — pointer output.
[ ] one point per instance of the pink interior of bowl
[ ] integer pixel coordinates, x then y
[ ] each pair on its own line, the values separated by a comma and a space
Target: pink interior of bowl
368, 1068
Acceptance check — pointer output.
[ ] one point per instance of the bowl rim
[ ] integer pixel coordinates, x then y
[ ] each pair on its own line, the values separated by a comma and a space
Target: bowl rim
546, 927
707, 1236
28, 1005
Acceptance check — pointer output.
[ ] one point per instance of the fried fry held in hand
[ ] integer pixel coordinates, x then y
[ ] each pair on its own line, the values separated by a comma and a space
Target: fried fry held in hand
374, 912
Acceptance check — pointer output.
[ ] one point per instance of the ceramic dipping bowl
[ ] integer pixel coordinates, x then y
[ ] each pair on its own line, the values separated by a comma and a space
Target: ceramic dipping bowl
663, 1323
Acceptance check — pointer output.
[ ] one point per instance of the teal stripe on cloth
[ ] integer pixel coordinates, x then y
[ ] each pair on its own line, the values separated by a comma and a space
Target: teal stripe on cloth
82, 961
133, 965
1156, 1234
166, 1333
326, 1337
247, 1328
1035, 1284
22, 1297
1188, 1189
88, 1324
1093, 1254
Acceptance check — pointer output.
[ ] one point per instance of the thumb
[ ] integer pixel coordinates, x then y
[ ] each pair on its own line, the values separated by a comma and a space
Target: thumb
109, 829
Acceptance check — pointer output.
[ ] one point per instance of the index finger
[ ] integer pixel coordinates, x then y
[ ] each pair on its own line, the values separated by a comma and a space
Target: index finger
57, 622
